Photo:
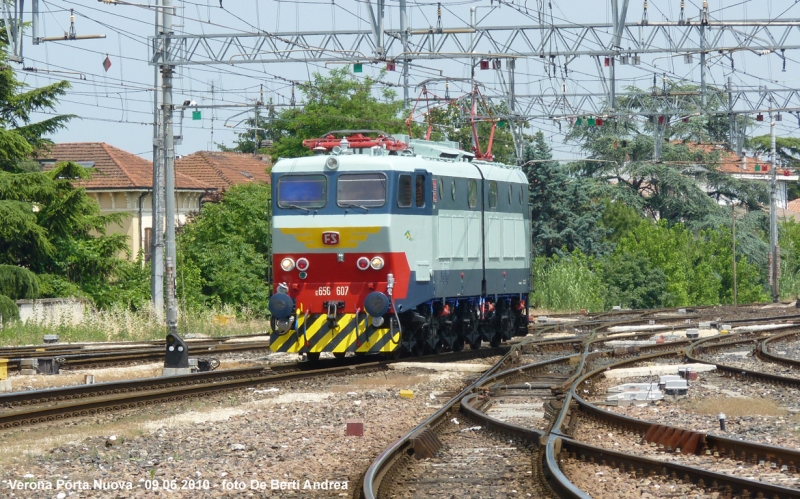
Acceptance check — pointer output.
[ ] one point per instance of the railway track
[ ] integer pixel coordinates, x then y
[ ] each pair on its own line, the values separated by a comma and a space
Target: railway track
42, 406
541, 432
576, 439
84, 356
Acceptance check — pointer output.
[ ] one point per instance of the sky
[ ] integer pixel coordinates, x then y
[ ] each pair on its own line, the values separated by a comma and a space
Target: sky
116, 106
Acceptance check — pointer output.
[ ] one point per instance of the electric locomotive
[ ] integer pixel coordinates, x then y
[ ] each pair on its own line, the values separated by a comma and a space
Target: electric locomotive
389, 244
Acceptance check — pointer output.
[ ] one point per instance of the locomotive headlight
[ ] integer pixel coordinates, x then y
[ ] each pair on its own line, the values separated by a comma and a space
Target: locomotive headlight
287, 264
302, 264
376, 263
331, 163
362, 263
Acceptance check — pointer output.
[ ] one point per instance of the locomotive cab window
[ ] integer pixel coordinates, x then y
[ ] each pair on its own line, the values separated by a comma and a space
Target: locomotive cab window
510, 193
453, 189
492, 195
404, 191
472, 193
302, 191
365, 190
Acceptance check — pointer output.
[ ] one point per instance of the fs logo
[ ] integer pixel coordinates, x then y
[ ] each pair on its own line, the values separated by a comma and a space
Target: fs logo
330, 238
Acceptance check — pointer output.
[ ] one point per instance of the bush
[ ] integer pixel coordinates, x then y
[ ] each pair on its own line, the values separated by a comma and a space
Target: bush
8, 309
633, 282
565, 284
224, 251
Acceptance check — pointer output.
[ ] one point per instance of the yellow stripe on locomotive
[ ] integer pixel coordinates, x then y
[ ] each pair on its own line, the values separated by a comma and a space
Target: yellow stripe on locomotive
316, 333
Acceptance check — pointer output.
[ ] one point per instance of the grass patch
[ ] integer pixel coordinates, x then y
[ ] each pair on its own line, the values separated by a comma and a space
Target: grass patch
735, 407
121, 324
565, 285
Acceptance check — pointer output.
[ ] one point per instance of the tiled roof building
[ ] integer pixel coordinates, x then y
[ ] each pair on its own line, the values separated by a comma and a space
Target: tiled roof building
223, 169
114, 168
123, 182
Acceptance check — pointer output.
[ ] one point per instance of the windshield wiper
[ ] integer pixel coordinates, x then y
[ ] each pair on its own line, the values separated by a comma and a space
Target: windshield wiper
353, 205
296, 207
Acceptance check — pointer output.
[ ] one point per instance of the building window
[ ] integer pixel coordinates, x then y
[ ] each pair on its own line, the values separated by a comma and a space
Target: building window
148, 244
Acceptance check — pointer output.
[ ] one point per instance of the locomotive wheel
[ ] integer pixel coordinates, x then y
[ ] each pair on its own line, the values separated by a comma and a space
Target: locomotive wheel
312, 356
339, 355
441, 347
496, 340
418, 350
394, 354
475, 345
458, 345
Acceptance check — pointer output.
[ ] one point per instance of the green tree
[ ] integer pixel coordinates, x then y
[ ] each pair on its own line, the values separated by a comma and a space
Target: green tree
697, 266
564, 217
20, 136
225, 249
15, 283
685, 185
337, 101
50, 227
633, 282
452, 122
787, 148
54, 228
619, 219
788, 153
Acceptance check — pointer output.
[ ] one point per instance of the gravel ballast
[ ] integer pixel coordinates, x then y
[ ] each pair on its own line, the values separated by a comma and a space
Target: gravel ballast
282, 440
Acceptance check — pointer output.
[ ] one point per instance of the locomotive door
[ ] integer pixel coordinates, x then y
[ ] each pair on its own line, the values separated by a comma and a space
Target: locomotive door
422, 208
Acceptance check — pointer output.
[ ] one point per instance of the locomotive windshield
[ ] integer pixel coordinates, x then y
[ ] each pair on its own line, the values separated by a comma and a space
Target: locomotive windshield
303, 191
364, 190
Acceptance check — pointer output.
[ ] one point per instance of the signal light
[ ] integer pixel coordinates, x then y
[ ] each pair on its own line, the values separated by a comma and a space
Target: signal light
377, 263
362, 263
287, 264
390, 66
759, 117
484, 65
302, 264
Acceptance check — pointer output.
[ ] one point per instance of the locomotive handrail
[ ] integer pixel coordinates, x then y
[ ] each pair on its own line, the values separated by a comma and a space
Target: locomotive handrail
352, 132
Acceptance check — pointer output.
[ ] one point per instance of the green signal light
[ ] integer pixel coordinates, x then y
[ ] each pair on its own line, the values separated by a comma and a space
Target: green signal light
303, 275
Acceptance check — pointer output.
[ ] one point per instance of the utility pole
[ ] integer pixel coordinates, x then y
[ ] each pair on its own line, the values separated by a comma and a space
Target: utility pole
169, 171
157, 211
703, 24
256, 122
404, 40
773, 214
733, 223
